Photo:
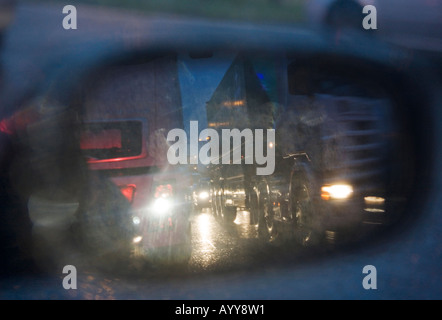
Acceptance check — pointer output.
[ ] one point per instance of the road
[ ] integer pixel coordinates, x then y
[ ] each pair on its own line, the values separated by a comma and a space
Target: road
214, 244
217, 249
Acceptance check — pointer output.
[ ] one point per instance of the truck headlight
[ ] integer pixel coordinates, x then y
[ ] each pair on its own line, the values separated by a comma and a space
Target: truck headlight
203, 195
336, 191
161, 206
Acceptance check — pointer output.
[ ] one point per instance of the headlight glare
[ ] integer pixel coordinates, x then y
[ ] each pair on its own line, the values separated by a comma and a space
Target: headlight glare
161, 206
336, 191
203, 195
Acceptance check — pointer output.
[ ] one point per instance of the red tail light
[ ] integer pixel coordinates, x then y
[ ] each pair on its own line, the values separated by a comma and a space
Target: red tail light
163, 191
128, 191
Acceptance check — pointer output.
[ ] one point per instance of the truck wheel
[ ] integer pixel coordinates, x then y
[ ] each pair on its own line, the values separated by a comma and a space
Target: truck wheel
266, 226
302, 209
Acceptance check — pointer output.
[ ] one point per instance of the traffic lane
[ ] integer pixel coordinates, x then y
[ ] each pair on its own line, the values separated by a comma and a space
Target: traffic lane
216, 245
218, 249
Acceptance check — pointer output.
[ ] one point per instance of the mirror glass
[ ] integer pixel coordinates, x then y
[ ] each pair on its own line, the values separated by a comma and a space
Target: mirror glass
207, 161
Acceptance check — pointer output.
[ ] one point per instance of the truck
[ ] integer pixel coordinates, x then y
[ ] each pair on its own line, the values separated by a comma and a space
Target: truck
332, 146
125, 113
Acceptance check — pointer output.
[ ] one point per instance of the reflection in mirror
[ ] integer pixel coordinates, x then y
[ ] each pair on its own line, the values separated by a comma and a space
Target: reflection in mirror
203, 161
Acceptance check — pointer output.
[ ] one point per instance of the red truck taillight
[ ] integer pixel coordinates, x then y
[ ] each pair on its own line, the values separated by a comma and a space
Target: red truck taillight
128, 191
163, 191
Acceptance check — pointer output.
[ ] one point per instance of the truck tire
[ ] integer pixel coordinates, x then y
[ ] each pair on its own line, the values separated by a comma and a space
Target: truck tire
302, 207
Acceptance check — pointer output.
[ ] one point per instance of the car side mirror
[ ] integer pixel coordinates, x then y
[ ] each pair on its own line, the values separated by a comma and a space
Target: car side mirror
338, 129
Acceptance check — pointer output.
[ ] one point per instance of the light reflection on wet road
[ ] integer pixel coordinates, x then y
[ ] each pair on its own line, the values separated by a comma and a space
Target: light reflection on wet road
215, 243
217, 247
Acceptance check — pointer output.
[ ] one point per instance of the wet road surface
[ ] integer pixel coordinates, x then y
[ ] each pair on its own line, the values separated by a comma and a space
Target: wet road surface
217, 249
214, 243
